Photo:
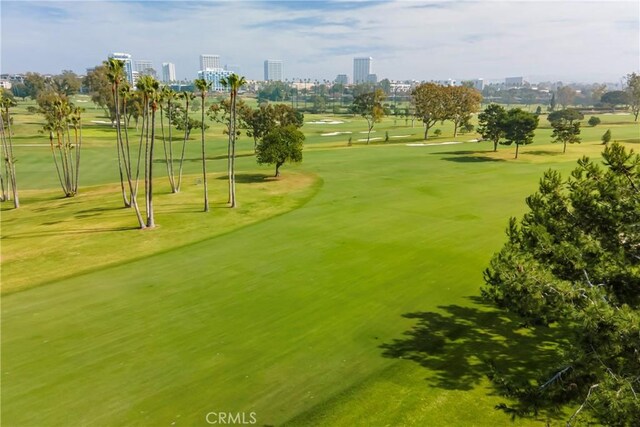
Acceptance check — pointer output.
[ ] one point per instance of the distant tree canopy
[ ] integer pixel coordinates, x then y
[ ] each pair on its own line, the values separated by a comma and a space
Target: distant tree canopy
566, 126
280, 145
565, 96
273, 91
573, 261
616, 97
491, 124
633, 92
100, 89
369, 106
519, 127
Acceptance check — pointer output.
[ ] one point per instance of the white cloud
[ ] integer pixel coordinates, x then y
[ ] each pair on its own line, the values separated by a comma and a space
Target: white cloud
568, 40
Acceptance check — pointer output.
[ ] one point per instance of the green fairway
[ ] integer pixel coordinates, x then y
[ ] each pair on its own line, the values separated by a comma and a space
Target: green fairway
344, 293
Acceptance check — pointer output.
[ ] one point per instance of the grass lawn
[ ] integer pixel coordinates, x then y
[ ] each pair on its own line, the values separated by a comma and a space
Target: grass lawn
344, 293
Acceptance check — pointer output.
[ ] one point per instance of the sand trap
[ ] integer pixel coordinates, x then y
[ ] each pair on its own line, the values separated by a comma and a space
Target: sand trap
400, 136
372, 139
473, 140
326, 122
32, 145
101, 122
616, 114
364, 131
334, 133
80, 100
434, 143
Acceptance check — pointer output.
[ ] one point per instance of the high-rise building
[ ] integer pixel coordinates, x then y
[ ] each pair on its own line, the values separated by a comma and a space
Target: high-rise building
128, 68
168, 72
213, 76
372, 78
513, 82
342, 79
142, 65
362, 69
209, 62
273, 70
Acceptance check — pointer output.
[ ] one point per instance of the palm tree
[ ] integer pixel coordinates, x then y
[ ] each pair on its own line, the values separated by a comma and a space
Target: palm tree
187, 96
115, 75
168, 95
149, 88
203, 86
234, 83
7, 147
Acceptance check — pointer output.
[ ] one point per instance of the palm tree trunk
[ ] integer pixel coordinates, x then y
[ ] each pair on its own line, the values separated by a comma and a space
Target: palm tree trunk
204, 164
233, 150
150, 219
116, 100
517, 146
172, 178
184, 143
10, 165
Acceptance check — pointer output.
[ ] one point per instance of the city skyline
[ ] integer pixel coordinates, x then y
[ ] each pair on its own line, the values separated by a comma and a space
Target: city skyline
319, 40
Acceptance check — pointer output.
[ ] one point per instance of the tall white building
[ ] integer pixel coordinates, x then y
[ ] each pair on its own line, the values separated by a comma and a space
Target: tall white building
209, 62
142, 65
168, 72
362, 69
273, 70
128, 68
213, 75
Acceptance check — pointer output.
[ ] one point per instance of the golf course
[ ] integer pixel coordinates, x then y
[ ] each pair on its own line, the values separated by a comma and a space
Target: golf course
344, 292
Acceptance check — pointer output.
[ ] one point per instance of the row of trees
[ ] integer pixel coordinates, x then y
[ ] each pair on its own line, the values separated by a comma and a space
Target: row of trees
271, 127
8, 184
436, 103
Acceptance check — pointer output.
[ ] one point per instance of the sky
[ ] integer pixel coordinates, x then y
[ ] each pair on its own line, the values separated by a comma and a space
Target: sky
570, 41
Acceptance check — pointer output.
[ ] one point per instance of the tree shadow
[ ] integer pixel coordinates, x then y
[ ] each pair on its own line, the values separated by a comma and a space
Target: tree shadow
472, 159
199, 159
469, 156
463, 346
543, 153
250, 178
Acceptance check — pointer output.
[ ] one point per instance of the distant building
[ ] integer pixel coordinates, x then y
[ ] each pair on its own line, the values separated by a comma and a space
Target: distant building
372, 78
168, 72
273, 70
142, 65
209, 62
362, 67
513, 82
448, 82
342, 79
214, 76
5, 84
128, 66
478, 84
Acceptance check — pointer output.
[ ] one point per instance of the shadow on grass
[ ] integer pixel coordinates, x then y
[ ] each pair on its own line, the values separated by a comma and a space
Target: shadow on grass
467, 156
250, 178
463, 346
199, 159
543, 153
66, 232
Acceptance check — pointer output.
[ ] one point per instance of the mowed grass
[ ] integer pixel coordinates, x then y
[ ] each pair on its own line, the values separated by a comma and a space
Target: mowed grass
354, 308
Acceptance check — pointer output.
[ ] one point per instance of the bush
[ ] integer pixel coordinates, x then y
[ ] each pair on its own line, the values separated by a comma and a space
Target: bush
437, 132
594, 121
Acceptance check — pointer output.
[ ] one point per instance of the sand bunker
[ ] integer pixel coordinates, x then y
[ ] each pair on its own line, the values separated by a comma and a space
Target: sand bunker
400, 136
334, 133
326, 122
101, 122
434, 143
371, 139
